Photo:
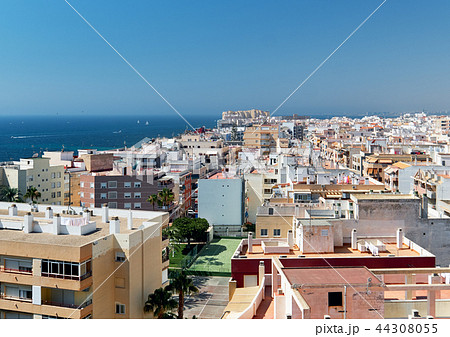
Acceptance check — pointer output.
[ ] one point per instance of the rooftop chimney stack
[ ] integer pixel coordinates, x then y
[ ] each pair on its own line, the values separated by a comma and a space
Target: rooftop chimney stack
354, 239
261, 272
366, 181
28, 223
87, 215
114, 225
105, 213
130, 220
49, 213
290, 239
399, 238
12, 210
424, 206
56, 225
250, 242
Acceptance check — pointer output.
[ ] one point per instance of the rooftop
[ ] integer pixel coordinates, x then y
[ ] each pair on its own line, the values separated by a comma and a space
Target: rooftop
383, 196
69, 240
339, 251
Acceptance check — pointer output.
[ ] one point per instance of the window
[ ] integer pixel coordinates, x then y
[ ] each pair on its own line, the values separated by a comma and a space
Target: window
137, 205
81, 184
127, 205
92, 185
92, 195
137, 184
103, 185
137, 195
127, 184
270, 211
335, 299
53, 185
120, 309
324, 232
58, 184
112, 184
30, 178
120, 257
112, 195
59, 174
53, 195
58, 194
66, 270
103, 196
127, 195
263, 232
82, 194
277, 232
53, 175
112, 204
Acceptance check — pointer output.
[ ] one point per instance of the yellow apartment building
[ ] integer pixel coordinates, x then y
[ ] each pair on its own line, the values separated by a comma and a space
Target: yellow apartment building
99, 263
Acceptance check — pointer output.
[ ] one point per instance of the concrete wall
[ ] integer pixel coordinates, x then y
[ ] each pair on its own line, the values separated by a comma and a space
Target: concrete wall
220, 201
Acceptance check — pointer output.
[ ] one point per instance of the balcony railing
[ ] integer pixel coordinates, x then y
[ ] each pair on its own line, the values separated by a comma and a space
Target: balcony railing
24, 270
15, 298
68, 277
68, 305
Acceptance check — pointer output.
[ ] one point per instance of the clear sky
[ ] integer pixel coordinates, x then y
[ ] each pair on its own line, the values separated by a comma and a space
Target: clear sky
210, 56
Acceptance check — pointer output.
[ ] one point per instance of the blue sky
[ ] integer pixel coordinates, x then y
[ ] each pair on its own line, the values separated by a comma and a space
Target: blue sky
209, 56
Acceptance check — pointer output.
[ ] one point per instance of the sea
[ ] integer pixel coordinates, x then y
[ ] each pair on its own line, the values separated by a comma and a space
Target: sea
22, 136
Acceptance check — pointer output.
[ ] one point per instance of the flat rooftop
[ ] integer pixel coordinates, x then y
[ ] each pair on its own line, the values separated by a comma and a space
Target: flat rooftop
343, 251
383, 196
67, 240
330, 276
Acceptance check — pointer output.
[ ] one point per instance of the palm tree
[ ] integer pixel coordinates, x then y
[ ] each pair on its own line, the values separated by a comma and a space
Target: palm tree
160, 303
182, 285
166, 196
153, 199
9, 194
32, 193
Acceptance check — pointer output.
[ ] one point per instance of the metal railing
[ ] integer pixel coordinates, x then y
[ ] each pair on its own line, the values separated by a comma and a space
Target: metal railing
68, 305
68, 277
27, 271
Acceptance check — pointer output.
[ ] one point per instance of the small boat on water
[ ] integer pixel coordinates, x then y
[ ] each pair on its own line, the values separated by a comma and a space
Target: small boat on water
146, 123
138, 121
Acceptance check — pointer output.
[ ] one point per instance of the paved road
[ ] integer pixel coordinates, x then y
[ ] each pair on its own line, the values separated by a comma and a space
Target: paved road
211, 299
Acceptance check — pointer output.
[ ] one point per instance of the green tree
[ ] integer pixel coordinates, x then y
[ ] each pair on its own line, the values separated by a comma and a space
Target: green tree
153, 199
190, 229
166, 196
9, 194
160, 303
183, 285
32, 193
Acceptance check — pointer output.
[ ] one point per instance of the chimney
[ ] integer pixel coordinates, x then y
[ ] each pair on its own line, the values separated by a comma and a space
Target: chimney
12, 210
114, 225
354, 239
250, 242
290, 239
105, 213
424, 206
308, 180
261, 272
366, 181
87, 215
399, 238
130, 220
28, 223
49, 213
56, 227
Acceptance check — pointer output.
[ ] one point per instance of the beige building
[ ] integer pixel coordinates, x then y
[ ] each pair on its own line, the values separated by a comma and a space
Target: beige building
36, 172
88, 264
262, 137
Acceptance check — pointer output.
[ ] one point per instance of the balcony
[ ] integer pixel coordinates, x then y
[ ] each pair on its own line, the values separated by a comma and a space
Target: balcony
21, 270
68, 305
68, 277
